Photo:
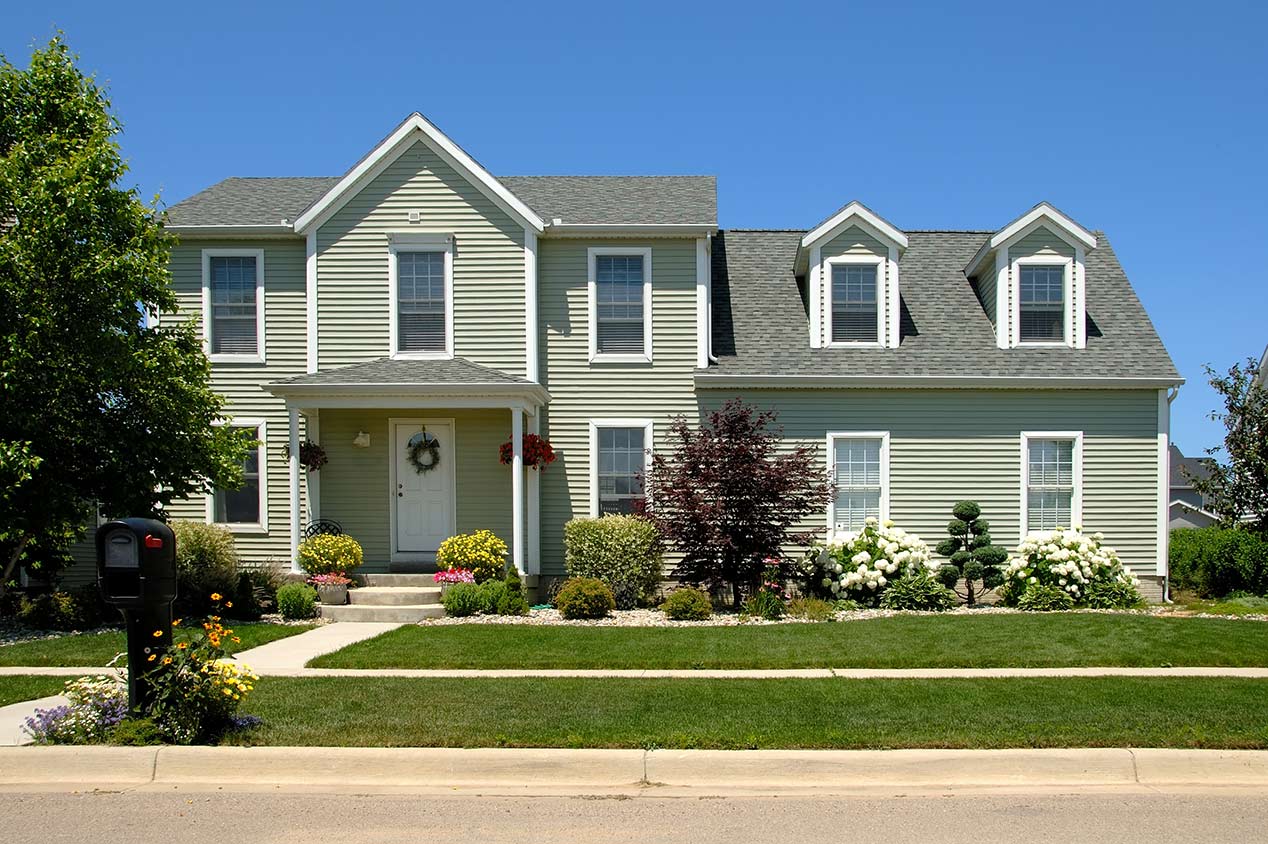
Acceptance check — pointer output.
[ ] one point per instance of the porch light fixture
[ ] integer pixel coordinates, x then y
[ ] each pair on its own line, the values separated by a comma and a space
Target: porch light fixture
361, 440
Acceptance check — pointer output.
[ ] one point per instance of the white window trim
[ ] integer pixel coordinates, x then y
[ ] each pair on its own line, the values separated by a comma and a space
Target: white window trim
1067, 295
258, 255
880, 262
832, 437
592, 253
248, 527
648, 442
419, 242
1076, 498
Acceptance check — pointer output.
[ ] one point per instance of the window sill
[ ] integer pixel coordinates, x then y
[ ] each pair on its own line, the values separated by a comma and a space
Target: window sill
854, 344
636, 359
422, 356
243, 359
242, 528
1043, 344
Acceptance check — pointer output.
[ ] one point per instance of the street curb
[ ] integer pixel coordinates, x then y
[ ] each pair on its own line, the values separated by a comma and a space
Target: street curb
637, 772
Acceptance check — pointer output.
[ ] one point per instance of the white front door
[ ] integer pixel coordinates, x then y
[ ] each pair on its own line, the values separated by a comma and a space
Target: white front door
423, 501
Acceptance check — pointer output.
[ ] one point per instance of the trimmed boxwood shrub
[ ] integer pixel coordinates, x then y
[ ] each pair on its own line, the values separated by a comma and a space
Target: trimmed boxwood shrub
498, 597
625, 552
919, 590
206, 564
462, 600
1043, 597
296, 601
688, 604
584, 597
1214, 561
330, 554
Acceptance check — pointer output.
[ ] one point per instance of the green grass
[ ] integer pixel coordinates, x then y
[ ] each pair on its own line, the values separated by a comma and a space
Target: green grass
18, 689
1241, 605
727, 714
981, 641
92, 649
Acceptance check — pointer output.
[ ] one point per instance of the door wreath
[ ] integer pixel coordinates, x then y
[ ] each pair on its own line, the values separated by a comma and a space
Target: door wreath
424, 452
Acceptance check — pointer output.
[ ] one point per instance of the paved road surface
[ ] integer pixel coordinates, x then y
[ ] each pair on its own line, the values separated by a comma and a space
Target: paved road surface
190, 818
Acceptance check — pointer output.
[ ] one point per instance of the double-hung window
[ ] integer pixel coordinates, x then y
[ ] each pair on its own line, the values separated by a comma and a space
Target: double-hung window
620, 304
855, 305
233, 304
859, 466
620, 450
1052, 466
420, 302
1041, 303
244, 507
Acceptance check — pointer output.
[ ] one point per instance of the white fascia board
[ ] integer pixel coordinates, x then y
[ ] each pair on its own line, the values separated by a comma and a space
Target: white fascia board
417, 127
1066, 228
850, 214
923, 382
693, 230
278, 230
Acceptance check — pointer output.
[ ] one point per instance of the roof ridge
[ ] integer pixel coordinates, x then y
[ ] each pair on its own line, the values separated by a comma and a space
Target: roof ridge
607, 176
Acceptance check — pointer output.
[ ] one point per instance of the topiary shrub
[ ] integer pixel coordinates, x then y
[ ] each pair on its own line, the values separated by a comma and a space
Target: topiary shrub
462, 600
689, 603
919, 590
1044, 597
206, 564
481, 553
330, 554
584, 597
625, 552
296, 601
971, 557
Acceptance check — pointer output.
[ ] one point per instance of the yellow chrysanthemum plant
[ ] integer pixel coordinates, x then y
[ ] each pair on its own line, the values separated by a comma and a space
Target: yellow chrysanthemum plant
482, 553
326, 554
197, 689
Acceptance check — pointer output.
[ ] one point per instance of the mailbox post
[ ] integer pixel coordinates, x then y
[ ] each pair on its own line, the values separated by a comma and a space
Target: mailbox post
136, 572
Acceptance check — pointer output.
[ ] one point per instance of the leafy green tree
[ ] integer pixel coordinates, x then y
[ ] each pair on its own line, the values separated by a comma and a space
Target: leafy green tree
98, 404
972, 557
1237, 490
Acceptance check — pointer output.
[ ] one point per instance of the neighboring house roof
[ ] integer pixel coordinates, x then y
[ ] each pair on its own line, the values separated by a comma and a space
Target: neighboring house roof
1196, 466
761, 329
578, 200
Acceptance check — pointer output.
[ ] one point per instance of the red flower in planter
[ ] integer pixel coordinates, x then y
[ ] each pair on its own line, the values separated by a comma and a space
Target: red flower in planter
538, 453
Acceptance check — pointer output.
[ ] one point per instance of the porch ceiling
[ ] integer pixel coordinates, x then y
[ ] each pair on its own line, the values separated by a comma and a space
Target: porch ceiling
411, 382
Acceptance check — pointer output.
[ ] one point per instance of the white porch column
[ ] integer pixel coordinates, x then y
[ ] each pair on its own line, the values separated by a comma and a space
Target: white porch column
517, 489
293, 413
534, 528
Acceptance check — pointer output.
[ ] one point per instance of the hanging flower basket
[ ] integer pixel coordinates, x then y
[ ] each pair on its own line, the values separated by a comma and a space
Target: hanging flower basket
537, 452
311, 456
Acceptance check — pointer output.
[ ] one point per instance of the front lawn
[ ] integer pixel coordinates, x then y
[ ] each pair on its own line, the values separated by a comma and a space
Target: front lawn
958, 641
18, 689
736, 714
92, 649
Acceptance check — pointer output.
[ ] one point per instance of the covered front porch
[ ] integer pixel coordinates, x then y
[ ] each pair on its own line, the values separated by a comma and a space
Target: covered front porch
412, 451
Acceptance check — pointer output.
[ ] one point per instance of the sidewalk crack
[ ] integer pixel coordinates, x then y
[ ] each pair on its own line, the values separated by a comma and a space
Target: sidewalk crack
1135, 770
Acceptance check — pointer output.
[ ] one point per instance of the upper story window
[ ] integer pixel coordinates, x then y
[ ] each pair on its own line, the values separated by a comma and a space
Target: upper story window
859, 465
620, 304
421, 283
855, 309
619, 460
1052, 467
1041, 304
233, 304
245, 507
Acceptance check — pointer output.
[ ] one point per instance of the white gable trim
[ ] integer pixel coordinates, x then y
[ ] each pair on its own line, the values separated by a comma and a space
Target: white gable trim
854, 214
415, 128
1042, 214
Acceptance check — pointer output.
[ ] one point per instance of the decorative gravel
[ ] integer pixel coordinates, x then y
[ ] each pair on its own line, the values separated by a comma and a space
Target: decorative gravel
656, 618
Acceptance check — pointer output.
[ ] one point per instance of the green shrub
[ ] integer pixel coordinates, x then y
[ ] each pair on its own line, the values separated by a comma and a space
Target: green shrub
919, 590
135, 732
584, 597
462, 599
79, 609
1111, 595
330, 554
206, 563
296, 601
482, 553
498, 597
625, 552
688, 604
972, 557
811, 609
1215, 561
1044, 597
765, 604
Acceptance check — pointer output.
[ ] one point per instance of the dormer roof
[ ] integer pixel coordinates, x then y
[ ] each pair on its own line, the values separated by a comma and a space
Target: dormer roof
1043, 214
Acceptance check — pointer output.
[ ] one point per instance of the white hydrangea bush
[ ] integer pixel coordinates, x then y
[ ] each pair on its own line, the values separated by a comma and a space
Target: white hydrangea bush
861, 565
1068, 559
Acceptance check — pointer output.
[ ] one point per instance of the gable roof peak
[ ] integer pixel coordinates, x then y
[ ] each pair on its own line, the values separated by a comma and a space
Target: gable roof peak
854, 211
1044, 213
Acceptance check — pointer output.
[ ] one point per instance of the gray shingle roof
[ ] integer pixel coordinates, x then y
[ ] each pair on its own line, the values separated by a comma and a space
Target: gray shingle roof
1196, 466
405, 373
761, 327
595, 200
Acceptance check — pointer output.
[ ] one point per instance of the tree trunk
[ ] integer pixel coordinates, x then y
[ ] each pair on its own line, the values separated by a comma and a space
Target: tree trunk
13, 563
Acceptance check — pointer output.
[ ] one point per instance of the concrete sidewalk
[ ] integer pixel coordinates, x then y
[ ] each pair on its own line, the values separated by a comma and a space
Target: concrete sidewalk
657, 773
13, 718
293, 652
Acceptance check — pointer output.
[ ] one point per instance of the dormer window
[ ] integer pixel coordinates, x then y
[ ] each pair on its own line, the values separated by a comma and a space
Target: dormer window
1041, 307
854, 302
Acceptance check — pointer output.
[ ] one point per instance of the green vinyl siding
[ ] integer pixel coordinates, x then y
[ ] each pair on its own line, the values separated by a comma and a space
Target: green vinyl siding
355, 482
244, 385
1040, 242
581, 391
984, 285
855, 241
947, 446
488, 264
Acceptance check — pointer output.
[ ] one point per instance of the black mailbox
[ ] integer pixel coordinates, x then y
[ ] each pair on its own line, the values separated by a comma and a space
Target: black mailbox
136, 572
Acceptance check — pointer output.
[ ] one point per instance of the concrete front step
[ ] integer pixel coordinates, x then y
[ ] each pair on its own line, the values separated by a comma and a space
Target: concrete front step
394, 596
402, 614
413, 580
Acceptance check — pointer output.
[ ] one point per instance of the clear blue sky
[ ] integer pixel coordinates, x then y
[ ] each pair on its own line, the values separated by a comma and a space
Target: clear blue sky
1146, 120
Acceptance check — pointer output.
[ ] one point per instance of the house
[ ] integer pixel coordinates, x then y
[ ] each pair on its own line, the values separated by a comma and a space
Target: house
417, 312
1188, 506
